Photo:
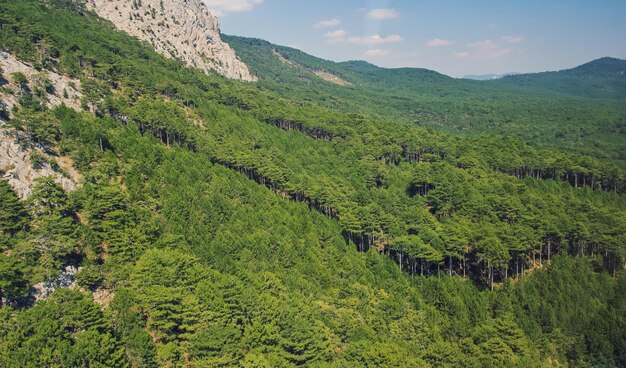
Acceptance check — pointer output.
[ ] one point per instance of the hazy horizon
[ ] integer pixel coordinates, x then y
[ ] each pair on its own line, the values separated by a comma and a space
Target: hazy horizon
452, 37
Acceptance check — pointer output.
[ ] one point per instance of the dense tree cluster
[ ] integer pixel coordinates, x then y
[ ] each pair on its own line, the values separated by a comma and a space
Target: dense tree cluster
546, 109
368, 242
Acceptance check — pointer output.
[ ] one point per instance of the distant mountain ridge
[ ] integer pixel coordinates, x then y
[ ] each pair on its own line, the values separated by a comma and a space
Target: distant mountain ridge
320, 217
538, 107
607, 66
604, 66
600, 78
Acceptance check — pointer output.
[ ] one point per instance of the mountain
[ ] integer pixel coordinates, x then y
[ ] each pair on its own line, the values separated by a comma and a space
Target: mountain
603, 66
279, 63
180, 30
538, 111
601, 78
297, 221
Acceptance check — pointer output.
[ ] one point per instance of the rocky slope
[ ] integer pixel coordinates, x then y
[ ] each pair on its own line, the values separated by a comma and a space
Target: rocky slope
16, 159
180, 29
63, 90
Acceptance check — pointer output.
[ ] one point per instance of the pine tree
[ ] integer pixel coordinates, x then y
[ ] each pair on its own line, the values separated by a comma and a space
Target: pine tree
13, 214
12, 282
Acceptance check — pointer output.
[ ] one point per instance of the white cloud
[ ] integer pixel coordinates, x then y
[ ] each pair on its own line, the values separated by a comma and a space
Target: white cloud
513, 39
483, 45
461, 55
375, 39
439, 42
223, 7
486, 49
376, 53
336, 36
340, 33
383, 13
327, 23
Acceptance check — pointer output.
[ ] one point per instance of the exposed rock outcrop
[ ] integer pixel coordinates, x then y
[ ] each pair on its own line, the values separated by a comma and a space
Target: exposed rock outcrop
64, 90
179, 29
104, 297
66, 279
16, 164
18, 169
332, 78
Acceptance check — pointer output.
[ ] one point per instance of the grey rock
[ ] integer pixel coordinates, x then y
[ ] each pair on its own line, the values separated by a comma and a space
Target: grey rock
178, 29
66, 279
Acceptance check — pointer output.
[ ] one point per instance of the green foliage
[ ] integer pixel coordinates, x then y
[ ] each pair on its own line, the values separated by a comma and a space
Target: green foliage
54, 229
20, 79
37, 160
581, 321
13, 214
12, 283
227, 219
601, 78
128, 324
90, 277
68, 329
546, 109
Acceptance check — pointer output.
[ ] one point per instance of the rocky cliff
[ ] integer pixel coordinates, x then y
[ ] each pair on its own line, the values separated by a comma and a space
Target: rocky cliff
180, 29
21, 164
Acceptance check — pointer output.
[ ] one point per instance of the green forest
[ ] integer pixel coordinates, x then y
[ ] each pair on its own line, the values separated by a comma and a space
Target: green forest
295, 222
578, 111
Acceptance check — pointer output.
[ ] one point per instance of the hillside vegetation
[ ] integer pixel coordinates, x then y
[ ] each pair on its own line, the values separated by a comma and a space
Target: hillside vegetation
603, 78
272, 225
580, 110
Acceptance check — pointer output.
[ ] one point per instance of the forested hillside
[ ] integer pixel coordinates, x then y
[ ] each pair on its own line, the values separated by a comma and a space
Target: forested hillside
602, 78
580, 110
271, 224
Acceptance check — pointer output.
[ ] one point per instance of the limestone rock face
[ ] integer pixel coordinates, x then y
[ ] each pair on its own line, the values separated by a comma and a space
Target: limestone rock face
66, 90
178, 29
65, 280
15, 157
16, 167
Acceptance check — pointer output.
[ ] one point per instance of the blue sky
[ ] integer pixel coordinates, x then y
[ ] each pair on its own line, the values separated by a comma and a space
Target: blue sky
454, 37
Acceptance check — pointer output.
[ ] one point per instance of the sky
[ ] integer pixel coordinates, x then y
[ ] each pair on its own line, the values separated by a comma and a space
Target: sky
454, 37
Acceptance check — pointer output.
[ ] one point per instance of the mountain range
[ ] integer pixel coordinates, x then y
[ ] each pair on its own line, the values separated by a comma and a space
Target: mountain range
174, 197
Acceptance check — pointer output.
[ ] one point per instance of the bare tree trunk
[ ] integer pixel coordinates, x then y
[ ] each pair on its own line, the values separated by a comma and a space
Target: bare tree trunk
464, 266
549, 249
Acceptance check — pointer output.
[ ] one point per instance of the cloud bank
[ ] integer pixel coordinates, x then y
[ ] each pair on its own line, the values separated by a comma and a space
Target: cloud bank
438, 42
376, 53
327, 23
375, 39
513, 39
383, 14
